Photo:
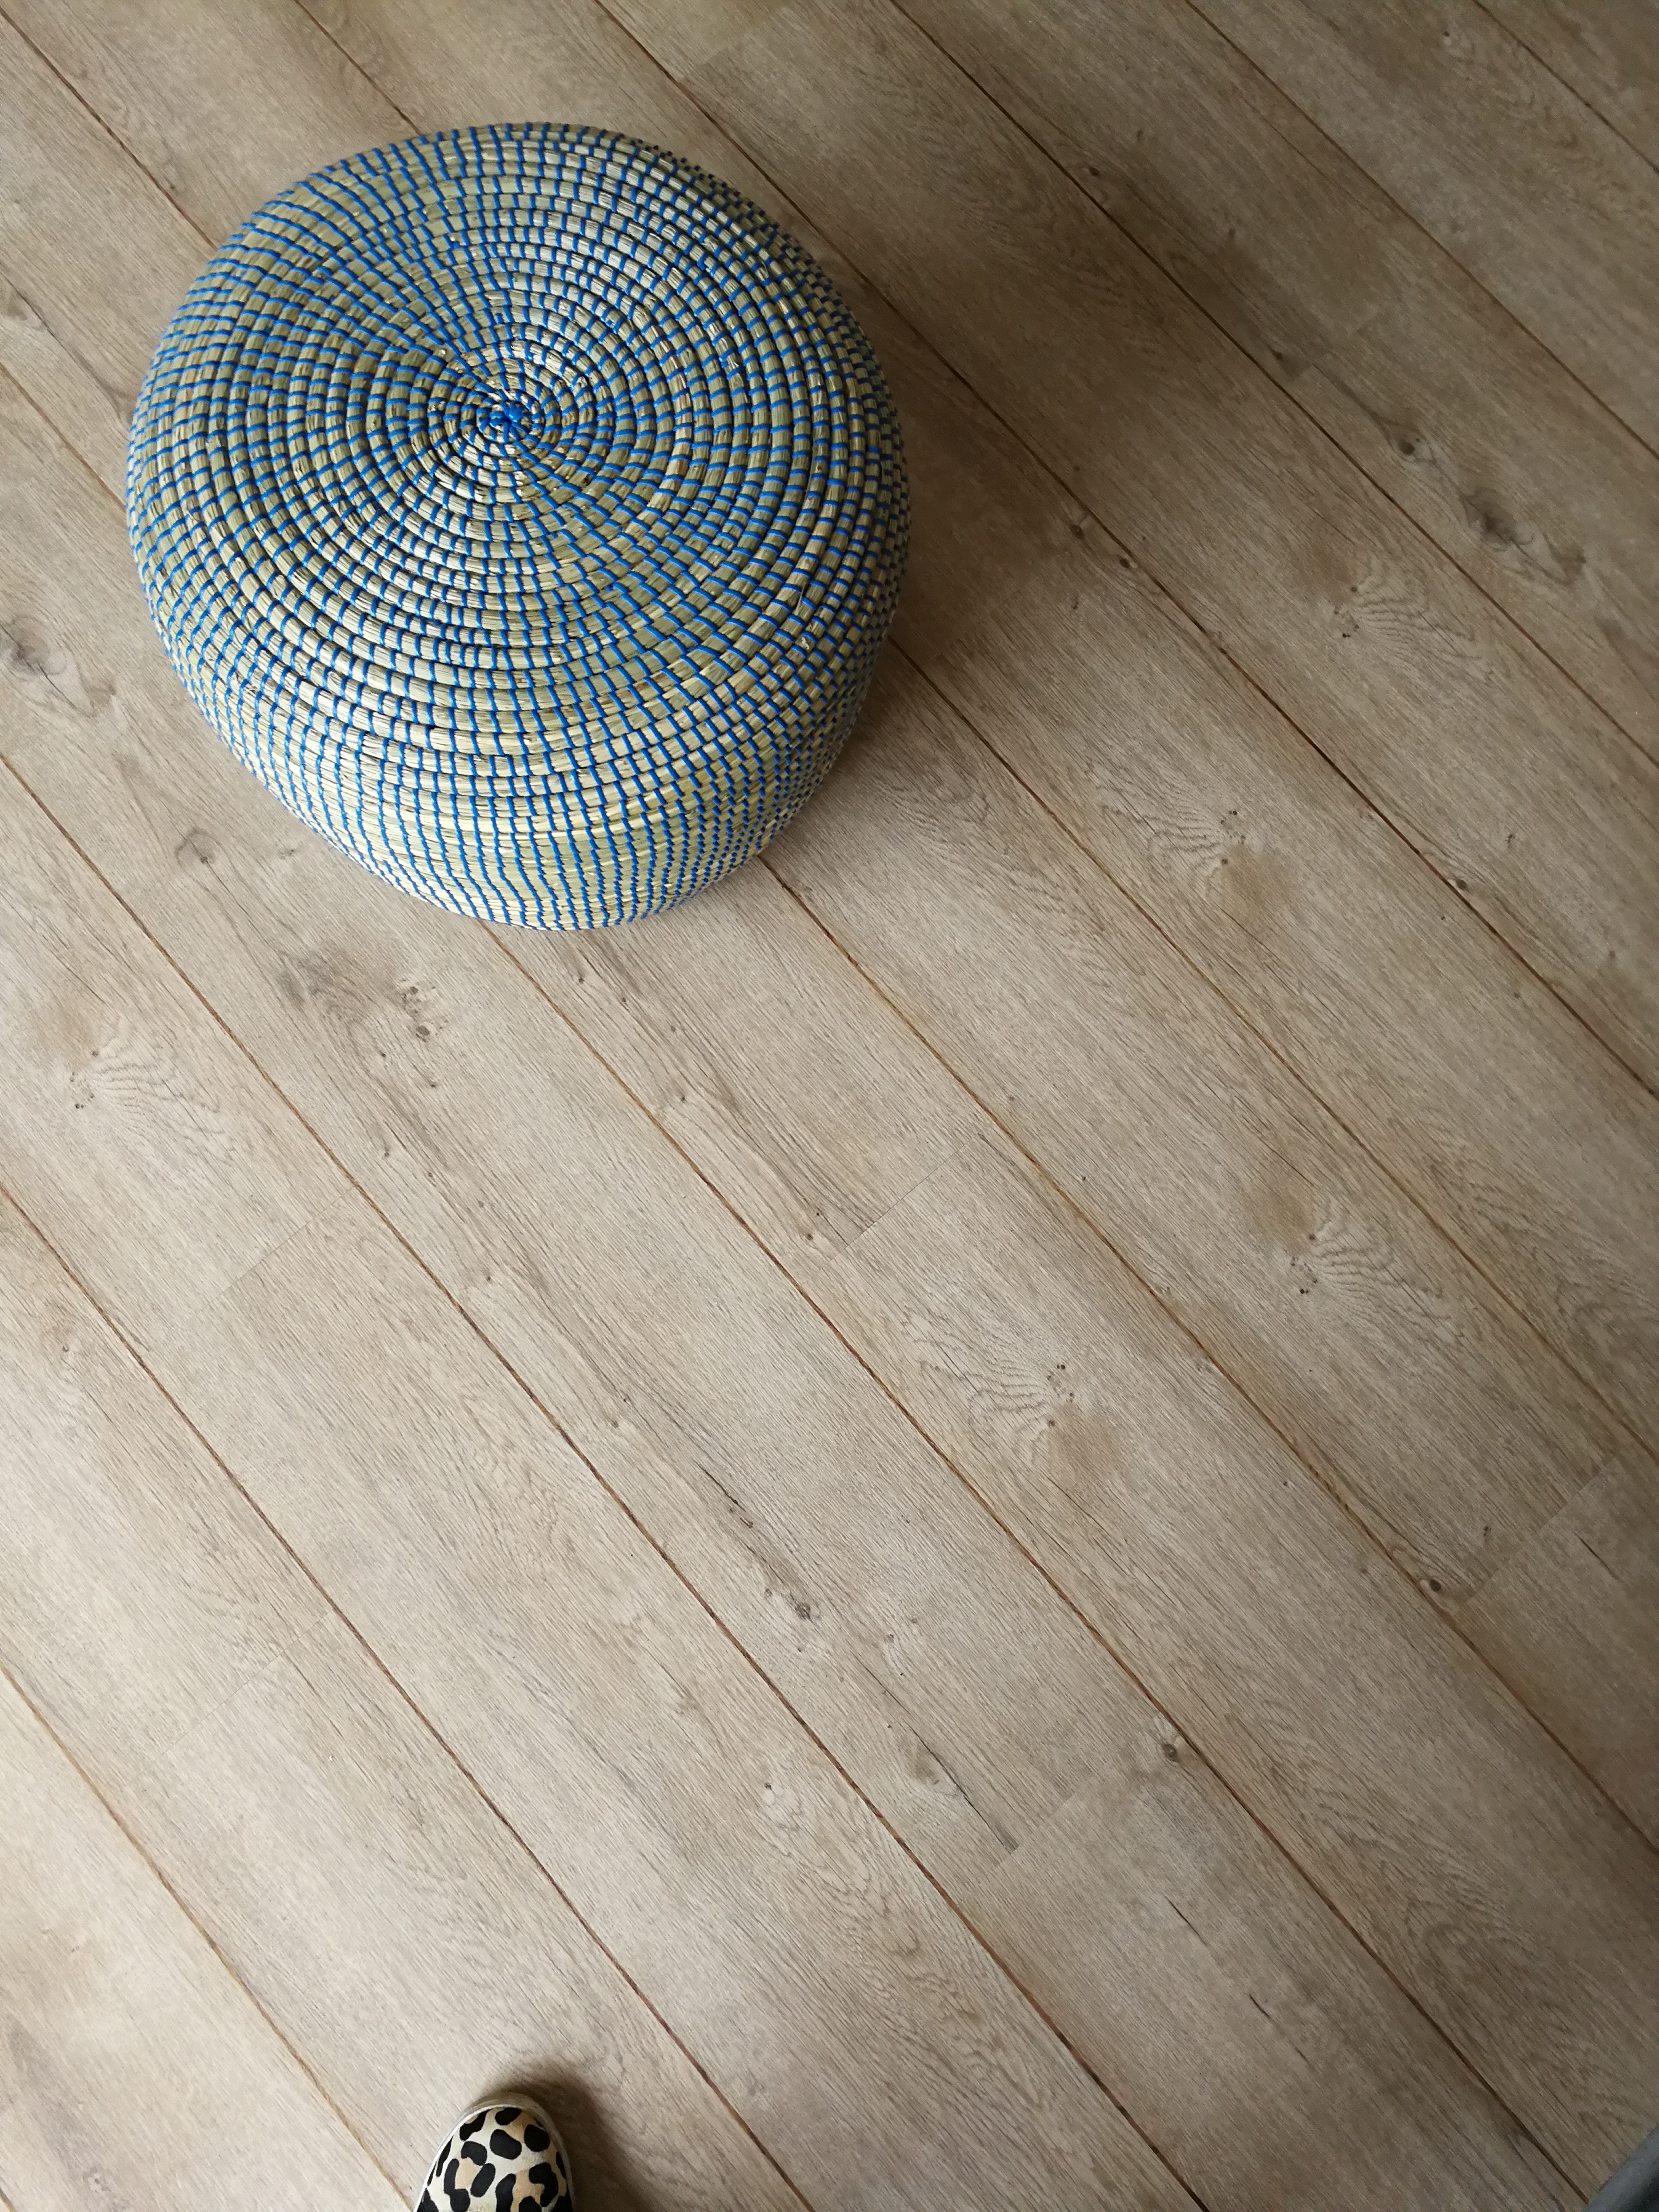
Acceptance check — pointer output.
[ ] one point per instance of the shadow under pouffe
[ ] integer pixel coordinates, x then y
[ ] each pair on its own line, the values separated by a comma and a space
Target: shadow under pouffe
1635, 2187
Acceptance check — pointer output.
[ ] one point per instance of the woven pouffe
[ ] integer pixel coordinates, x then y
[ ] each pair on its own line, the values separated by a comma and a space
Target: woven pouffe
526, 510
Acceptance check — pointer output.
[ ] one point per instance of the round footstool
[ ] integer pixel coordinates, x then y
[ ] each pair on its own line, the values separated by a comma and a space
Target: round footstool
526, 510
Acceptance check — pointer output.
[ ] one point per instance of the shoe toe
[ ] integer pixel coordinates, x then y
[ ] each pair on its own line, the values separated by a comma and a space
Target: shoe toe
505, 2156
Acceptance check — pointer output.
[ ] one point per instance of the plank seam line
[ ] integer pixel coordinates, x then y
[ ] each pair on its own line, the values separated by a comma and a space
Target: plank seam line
1365, 799
1095, 1633
622, 1505
911, 1420
1418, 224
1418, 1205
1303, 1081
1418, 1595
143, 1857
138, 1360
1129, 1673
1347, 458
1092, 1228
1483, 1660
1218, 644
1192, 1736
1508, 31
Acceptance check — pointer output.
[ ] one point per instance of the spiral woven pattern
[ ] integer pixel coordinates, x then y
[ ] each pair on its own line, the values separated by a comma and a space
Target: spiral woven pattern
526, 510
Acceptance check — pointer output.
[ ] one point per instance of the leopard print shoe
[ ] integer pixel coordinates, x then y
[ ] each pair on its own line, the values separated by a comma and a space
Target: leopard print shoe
501, 2158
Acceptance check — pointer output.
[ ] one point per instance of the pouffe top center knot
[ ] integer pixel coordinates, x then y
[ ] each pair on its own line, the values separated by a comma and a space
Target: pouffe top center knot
526, 510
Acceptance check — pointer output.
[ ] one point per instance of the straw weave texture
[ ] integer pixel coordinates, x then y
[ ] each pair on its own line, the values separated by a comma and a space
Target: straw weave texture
526, 510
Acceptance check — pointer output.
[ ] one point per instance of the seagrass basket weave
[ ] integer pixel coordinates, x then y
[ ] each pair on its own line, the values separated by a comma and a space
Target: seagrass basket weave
526, 510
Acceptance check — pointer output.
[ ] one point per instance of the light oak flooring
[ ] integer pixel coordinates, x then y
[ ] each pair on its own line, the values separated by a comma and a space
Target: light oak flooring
974, 1523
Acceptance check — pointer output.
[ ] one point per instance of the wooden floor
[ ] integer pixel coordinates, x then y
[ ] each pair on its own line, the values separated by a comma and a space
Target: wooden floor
974, 1523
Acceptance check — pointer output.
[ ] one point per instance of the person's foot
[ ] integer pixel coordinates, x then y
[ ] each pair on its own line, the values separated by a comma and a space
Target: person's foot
504, 2157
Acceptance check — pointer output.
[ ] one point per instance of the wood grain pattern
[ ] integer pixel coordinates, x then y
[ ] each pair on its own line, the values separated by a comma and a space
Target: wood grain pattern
1092, 1649
703, 1019
1606, 50
969, 1763
1200, 799
1370, 640
1070, 626
143, 255
870, 1645
411, 1945
1541, 1216
1458, 1073
1526, 481
690, 1820
1230, 1192
1531, 192
1571, 1609
142, 67
134, 2069
1571, 1229
837, 853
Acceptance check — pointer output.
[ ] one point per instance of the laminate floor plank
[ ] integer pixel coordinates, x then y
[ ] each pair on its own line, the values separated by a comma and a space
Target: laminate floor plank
1091, 1837
1496, 157
180, 839
1247, 848
136, 249
410, 1951
1606, 50
1459, 1073
148, 68
1290, 893
828, 1537
774, 1921
923, 924
1531, 486
1397, 667
704, 1025
966, 1763
1567, 1228
1565, 1222
94, 423
134, 2070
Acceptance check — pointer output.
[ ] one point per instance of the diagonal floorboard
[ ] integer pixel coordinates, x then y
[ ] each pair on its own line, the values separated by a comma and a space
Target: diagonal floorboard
701, 1833
1605, 53
410, 1940
1532, 486
132, 2058
1526, 185
989, 1481
1369, 639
